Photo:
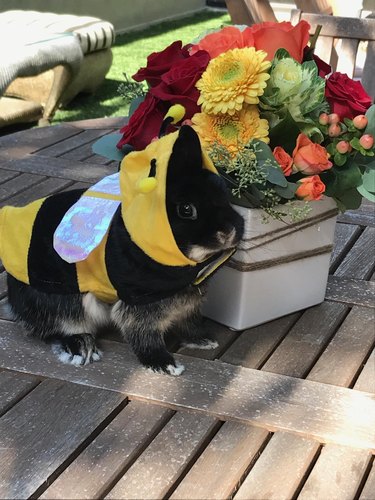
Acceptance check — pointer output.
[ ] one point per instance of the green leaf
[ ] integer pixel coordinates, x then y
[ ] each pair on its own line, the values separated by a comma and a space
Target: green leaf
366, 161
134, 104
340, 180
287, 192
331, 148
370, 115
363, 191
351, 199
285, 134
368, 180
355, 143
106, 146
339, 159
275, 176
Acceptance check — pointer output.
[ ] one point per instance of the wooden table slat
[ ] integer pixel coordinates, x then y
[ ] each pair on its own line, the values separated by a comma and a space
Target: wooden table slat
222, 463
367, 492
59, 167
301, 347
161, 464
37, 445
23, 143
6, 175
255, 345
363, 216
280, 469
366, 379
69, 147
110, 454
44, 188
311, 409
18, 184
351, 291
115, 122
343, 356
357, 263
337, 474
345, 235
13, 386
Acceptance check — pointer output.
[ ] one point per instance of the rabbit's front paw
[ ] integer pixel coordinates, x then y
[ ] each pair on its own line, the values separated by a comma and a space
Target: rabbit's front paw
77, 349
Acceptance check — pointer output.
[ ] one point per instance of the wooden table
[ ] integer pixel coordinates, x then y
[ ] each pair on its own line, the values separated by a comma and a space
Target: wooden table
283, 410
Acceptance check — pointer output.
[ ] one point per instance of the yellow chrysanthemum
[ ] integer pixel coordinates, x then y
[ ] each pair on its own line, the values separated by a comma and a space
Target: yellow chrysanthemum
232, 79
231, 131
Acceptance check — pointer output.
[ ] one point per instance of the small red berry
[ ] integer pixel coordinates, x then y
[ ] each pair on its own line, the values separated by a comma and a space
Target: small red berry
334, 130
342, 147
333, 118
360, 122
323, 119
366, 141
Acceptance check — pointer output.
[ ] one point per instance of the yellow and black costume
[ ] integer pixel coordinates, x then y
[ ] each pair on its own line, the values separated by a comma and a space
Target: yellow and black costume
137, 260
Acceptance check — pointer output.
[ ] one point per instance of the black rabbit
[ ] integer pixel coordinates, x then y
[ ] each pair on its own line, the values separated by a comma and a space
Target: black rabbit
152, 298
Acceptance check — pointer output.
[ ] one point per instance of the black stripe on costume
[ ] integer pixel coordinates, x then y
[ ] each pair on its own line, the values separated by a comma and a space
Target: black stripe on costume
48, 272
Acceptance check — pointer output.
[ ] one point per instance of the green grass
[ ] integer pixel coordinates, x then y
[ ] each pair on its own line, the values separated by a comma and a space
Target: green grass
130, 52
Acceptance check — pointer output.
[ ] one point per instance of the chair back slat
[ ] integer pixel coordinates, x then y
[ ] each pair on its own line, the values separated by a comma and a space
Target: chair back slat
339, 41
348, 55
324, 47
341, 27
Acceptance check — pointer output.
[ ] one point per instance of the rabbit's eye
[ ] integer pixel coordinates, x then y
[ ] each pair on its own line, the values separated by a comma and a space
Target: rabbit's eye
187, 211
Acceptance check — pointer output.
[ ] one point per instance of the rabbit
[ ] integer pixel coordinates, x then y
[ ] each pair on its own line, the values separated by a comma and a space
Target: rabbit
153, 298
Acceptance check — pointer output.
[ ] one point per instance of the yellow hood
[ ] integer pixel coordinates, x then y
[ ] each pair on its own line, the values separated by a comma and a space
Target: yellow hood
144, 210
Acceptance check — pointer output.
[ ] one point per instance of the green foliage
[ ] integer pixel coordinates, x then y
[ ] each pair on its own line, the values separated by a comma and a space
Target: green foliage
367, 188
370, 114
130, 52
256, 179
131, 90
295, 89
342, 183
106, 146
285, 133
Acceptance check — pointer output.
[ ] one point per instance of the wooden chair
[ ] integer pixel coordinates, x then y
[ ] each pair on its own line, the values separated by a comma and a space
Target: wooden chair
350, 31
258, 11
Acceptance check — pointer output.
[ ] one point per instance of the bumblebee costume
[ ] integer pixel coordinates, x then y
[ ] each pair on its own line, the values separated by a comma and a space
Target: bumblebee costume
126, 251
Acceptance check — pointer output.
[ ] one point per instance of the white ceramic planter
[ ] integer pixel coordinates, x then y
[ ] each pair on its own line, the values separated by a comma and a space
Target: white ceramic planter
278, 268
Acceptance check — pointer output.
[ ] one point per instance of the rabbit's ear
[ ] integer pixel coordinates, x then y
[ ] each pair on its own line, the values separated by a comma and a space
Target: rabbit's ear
186, 154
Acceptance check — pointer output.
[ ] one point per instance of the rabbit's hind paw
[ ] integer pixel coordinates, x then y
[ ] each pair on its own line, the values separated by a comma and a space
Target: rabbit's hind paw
78, 350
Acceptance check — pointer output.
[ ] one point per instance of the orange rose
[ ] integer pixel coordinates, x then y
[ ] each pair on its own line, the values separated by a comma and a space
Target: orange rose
226, 39
271, 36
309, 158
283, 159
310, 188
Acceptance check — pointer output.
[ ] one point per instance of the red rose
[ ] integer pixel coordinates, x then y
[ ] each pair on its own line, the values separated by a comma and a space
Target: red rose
178, 84
144, 124
346, 97
158, 63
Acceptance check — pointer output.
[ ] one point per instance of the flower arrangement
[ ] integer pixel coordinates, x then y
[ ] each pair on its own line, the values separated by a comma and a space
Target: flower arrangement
276, 122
